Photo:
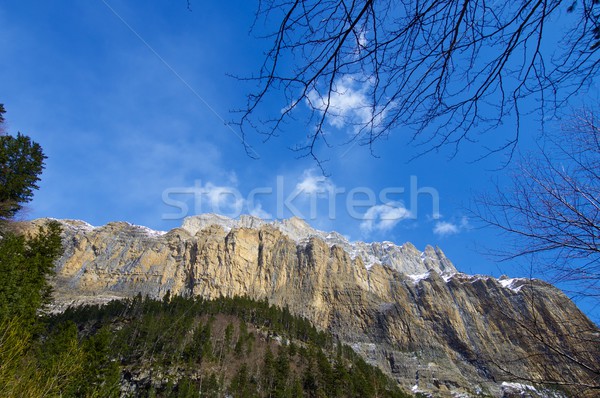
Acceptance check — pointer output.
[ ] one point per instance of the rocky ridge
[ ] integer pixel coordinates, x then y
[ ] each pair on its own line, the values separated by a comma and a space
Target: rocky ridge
412, 313
405, 258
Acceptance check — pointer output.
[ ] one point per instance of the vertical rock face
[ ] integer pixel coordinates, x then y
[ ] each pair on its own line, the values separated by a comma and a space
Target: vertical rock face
410, 312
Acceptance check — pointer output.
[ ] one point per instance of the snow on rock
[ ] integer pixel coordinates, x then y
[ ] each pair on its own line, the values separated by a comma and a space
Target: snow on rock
517, 387
77, 224
149, 231
514, 284
419, 277
405, 258
448, 276
197, 223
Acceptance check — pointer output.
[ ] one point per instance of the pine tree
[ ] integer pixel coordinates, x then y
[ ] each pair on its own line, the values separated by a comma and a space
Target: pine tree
228, 336
21, 163
25, 265
101, 373
24, 262
268, 371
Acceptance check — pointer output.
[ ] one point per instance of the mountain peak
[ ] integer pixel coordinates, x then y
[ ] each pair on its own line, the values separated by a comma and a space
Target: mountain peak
410, 312
405, 258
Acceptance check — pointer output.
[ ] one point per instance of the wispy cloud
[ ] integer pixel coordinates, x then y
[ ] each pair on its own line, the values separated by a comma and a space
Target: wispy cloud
444, 228
313, 184
223, 199
258, 211
382, 218
348, 103
227, 200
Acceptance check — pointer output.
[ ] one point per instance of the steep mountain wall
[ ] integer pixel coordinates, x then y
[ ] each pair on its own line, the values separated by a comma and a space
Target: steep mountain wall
410, 312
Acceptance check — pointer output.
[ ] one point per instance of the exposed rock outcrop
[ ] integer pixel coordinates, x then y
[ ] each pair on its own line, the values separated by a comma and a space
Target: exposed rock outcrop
411, 312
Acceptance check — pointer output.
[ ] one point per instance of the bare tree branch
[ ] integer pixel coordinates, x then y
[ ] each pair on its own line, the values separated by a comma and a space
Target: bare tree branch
448, 71
572, 341
552, 207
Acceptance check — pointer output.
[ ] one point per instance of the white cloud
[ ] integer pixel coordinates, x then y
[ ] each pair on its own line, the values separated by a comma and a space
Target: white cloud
223, 199
348, 103
384, 217
259, 212
311, 183
226, 200
443, 228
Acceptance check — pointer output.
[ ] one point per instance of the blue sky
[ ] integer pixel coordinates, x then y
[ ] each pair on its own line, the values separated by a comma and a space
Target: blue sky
129, 99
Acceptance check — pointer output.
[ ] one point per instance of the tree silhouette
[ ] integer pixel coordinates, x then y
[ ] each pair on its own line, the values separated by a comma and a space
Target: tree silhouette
550, 212
551, 209
446, 71
21, 163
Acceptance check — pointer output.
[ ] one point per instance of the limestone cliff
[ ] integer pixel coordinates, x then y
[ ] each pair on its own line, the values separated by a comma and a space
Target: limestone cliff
432, 328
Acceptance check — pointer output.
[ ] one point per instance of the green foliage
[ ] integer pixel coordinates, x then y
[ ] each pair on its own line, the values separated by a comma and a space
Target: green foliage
200, 348
187, 389
241, 384
181, 345
101, 372
25, 264
21, 163
28, 371
211, 386
34, 363
62, 355
281, 385
268, 371
59, 364
15, 341
228, 334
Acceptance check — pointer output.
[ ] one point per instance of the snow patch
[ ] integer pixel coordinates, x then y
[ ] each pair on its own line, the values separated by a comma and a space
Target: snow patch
511, 283
448, 276
405, 258
518, 387
77, 225
149, 231
419, 277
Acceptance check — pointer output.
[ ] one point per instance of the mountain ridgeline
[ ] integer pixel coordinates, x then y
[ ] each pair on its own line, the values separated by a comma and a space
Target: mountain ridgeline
411, 313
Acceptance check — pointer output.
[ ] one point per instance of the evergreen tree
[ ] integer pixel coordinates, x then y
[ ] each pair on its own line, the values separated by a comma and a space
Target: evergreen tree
21, 163
26, 368
210, 387
240, 384
282, 374
101, 374
25, 262
133, 333
62, 359
187, 389
297, 391
268, 371
228, 336
25, 265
